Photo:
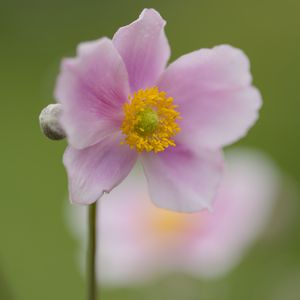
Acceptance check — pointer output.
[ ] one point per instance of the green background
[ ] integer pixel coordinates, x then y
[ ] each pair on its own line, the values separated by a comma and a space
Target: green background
37, 253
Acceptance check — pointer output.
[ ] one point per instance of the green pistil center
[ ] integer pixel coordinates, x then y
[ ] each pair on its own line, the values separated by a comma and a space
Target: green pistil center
148, 121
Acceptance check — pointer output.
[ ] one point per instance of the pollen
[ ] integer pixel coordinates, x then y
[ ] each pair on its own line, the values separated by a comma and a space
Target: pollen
150, 121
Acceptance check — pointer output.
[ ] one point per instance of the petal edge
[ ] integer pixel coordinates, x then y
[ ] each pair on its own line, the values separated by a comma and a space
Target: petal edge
144, 49
182, 180
98, 169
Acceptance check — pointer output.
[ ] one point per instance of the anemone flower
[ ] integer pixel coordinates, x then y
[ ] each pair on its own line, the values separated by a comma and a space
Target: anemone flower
122, 103
140, 241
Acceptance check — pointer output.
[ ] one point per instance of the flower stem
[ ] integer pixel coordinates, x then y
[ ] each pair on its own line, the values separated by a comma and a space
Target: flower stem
91, 255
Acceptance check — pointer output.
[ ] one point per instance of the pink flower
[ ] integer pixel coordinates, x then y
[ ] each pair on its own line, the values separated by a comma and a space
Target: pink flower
121, 103
138, 241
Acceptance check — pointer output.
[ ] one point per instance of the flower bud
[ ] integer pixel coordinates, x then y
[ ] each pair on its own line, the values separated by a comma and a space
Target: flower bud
50, 124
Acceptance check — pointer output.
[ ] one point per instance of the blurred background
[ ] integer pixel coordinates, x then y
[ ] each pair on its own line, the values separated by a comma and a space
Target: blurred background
37, 252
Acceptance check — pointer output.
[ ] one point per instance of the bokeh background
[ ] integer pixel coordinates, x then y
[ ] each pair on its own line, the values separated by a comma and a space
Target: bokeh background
37, 252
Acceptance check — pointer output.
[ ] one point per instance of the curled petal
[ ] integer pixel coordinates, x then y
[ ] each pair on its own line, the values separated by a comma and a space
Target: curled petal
213, 90
181, 179
92, 88
144, 48
97, 169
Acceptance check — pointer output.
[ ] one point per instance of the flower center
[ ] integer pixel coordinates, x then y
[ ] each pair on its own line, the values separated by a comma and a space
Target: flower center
149, 122
168, 222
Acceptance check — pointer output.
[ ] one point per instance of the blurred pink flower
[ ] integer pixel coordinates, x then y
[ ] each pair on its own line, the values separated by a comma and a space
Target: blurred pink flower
120, 102
138, 241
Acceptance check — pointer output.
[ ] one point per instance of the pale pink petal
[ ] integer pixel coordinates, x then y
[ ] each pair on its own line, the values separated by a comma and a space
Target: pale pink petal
123, 252
123, 246
92, 88
213, 90
138, 241
242, 210
144, 48
181, 179
97, 169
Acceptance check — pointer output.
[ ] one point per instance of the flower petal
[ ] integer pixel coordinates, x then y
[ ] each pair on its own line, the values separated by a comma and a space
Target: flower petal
125, 244
242, 209
97, 169
92, 88
213, 90
144, 48
182, 180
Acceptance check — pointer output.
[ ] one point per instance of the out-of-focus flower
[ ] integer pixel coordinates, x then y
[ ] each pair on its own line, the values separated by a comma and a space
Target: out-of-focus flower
138, 240
120, 102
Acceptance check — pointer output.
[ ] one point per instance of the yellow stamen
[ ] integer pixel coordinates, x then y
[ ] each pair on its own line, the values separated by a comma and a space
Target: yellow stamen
150, 121
167, 222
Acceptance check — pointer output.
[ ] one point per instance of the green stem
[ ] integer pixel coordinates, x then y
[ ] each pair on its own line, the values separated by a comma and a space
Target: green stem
91, 255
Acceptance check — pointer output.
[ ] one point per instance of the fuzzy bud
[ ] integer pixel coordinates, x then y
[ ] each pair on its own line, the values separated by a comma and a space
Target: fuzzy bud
49, 122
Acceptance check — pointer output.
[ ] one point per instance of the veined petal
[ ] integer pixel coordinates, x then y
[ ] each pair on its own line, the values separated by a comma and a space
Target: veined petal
92, 88
213, 90
144, 48
181, 179
97, 169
